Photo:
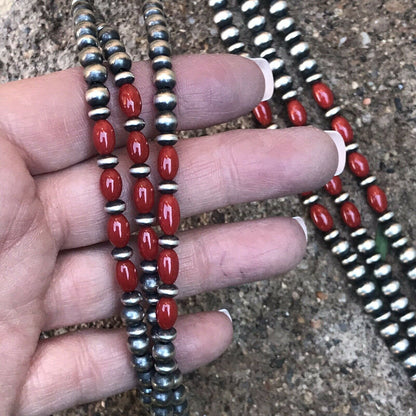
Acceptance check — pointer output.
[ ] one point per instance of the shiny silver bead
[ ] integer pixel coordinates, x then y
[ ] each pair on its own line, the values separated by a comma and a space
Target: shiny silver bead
250, 7
289, 95
95, 73
366, 289
311, 79
411, 273
285, 25
79, 4
157, 32
142, 363
121, 253
106, 34
149, 282
140, 170
177, 379
351, 259
112, 47
277, 66
162, 382
408, 255
339, 200
357, 273
152, 298
138, 345
373, 306
132, 315
393, 230
85, 28
145, 219
293, 37
151, 315
278, 8
124, 77
409, 362
383, 318
168, 241
107, 161
168, 291
164, 79
331, 236
382, 272
352, 147
115, 207
374, 259
410, 316
263, 40
86, 41
151, 9
97, 96
131, 298
162, 351
158, 48
299, 51
359, 233
181, 409
160, 62
165, 101
134, 124
401, 242
155, 20
310, 200
269, 54
168, 187
236, 48
223, 18
166, 367
340, 249
272, 127
179, 395
162, 399
400, 347
365, 183
399, 304
389, 331
391, 288
307, 67
99, 113
168, 139
163, 335
119, 62
283, 83
166, 122
90, 56
332, 112
145, 378
411, 331
385, 218
367, 246
148, 267
230, 35
256, 23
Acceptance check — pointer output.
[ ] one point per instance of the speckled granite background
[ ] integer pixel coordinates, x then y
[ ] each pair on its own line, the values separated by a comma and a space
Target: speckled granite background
302, 346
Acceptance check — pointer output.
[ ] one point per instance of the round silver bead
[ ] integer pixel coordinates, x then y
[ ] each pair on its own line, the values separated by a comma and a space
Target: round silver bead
391, 288
107, 33
95, 73
389, 331
411, 331
134, 124
374, 259
359, 233
83, 15
160, 62
163, 351
351, 259
299, 51
399, 304
149, 10
158, 48
400, 347
285, 25
155, 20
278, 8
311, 79
142, 363
177, 379
272, 127
85, 28
166, 122
411, 273
112, 47
166, 367
373, 306
277, 66
217, 4
250, 7
132, 315
151, 314
162, 382
289, 95
165, 101
168, 241
401, 242
382, 318
263, 40
148, 267
283, 83
163, 335
161, 400
182, 409
408, 255
121, 253
152, 298
145, 378
230, 35
157, 32
410, 316
164, 79
167, 291
307, 67
168, 187
236, 48
107, 161
331, 236
119, 62
115, 207
385, 218
367, 246
131, 298
345, 196
366, 289
140, 170
124, 77
352, 147
256, 23
293, 37
409, 362
341, 248
365, 183
269, 54
168, 139
138, 345
393, 230
97, 96
223, 18
99, 113
332, 112
90, 56
149, 282
357, 273
86, 41
145, 219
179, 395
310, 200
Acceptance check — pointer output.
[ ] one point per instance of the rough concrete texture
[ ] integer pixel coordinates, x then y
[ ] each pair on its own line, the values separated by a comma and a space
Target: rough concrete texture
302, 345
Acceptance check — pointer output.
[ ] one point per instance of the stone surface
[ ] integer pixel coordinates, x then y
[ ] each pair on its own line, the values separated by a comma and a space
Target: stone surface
294, 352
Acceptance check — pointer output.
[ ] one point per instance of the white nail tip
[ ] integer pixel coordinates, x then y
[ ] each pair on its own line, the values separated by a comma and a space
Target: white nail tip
342, 154
300, 221
268, 77
226, 313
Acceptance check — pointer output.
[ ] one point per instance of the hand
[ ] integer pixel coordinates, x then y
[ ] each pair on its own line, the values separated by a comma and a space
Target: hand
56, 268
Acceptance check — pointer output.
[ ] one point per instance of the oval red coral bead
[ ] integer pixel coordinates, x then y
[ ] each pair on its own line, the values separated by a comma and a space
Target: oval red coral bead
296, 112
103, 137
143, 195
263, 113
168, 266
169, 214
110, 184
167, 163
137, 147
166, 313
323, 96
118, 230
147, 242
341, 125
334, 186
350, 215
358, 164
130, 100
321, 217
377, 199
126, 275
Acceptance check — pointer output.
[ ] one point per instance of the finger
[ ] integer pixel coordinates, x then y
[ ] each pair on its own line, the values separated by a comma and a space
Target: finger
55, 130
83, 287
228, 168
89, 365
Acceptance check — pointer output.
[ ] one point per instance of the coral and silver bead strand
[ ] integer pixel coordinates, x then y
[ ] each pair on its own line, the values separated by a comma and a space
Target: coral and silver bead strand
230, 36
169, 397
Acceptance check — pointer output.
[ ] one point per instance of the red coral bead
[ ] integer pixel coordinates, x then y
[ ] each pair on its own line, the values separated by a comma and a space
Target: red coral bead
147, 241
169, 214
118, 230
323, 96
110, 184
166, 313
321, 217
167, 163
143, 195
350, 215
341, 125
137, 147
296, 112
358, 164
126, 275
103, 137
377, 199
168, 266
334, 186
130, 100
306, 194
263, 113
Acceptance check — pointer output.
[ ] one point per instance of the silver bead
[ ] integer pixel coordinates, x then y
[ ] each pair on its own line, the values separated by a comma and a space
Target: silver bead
124, 77
389, 331
106, 34
99, 113
168, 291
332, 112
391, 288
289, 95
155, 20
352, 147
166, 122
256, 23
293, 37
138, 345
310, 200
313, 78
121, 253
151, 315
168, 241
164, 79
382, 318
112, 47
263, 40
393, 230
95, 73
272, 127
411, 331
132, 315
177, 379
277, 66
382, 272
374, 259
365, 183
158, 48
163, 335
149, 10
269, 54
411, 273
285, 25
168, 187
223, 18
408, 255
359, 233
341, 248
157, 32
283, 83
400, 304
367, 246
165, 101
366, 289
410, 316
134, 124
142, 363
250, 7
115, 207
345, 196
357, 273
351, 259
148, 267
182, 409
149, 282
409, 362
166, 367
119, 62
85, 28
168, 139
162, 351
236, 48
278, 8
162, 382
385, 218
230, 35
299, 51
145, 219
179, 395
152, 299
400, 347
307, 67
145, 378
373, 306
401, 242
331, 236
131, 298
160, 62
86, 41
97, 96
107, 161
139, 170
90, 56
162, 399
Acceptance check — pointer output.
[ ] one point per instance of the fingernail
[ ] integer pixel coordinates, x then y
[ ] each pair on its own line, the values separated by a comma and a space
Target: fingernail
300, 221
268, 77
226, 313
342, 153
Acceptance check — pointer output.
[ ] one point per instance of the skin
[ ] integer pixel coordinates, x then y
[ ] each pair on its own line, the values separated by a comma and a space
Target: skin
55, 265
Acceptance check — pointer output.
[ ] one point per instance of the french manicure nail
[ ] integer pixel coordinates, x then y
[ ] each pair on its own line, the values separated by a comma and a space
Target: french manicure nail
342, 153
226, 313
268, 77
300, 221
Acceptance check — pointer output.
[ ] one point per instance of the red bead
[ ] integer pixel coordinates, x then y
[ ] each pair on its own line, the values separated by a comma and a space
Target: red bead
103, 137
323, 96
321, 217
169, 214
130, 100
341, 125
263, 113
110, 184
306, 194
147, 241
168, 266
358, 164
296, 113
376, 198
137, 147
126, 275
118, 230
334, 186
166, 313
350, 215
167, 163
143, 195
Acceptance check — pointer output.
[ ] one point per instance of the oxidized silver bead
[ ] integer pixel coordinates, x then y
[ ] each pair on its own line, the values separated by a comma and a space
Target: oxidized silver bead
345, 196
217, 4
86, 41
162, 382
97, 96
383, 318
400, 347
178, 379
283, 83
119, 62
357, 273
145, 378
409, 362
149, 282
366, 289
85, 28
179, 395
107, 161
164, 79
106, 34
157, 32
168, 291
411, 273
168, 187
285, 25
230, 35
151, 315
389, 331
278, 8
181, 409
134, 124
263, 40
374, 259
400, 304
140, 170
90, 56
152, 298
99, 113
160, 62
159, 48
369, 180
341, 249
351, 259
131, 298
132, 315
311, 79
359, 233
409, 316
166, 122
250, 7
145, 219
95, 73
299, 51
401, 242
163, 335
386, 218
168, 241
391, 289
277, 66
308, 67
408, 255
166, 367
373, 306
236, 48
115, 207
142, 363
148, 267
121, 253
382, 272
367, 246
124, 77
155, 20
223, 18
83, 15
162, 398
138, 345
162, 351
112, 47
256, 23
411, 331
151, 10
393, 230
332, 112
331, 236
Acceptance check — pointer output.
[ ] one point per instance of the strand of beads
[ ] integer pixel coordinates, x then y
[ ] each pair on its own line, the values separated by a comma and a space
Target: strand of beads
169, 395
357, 162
